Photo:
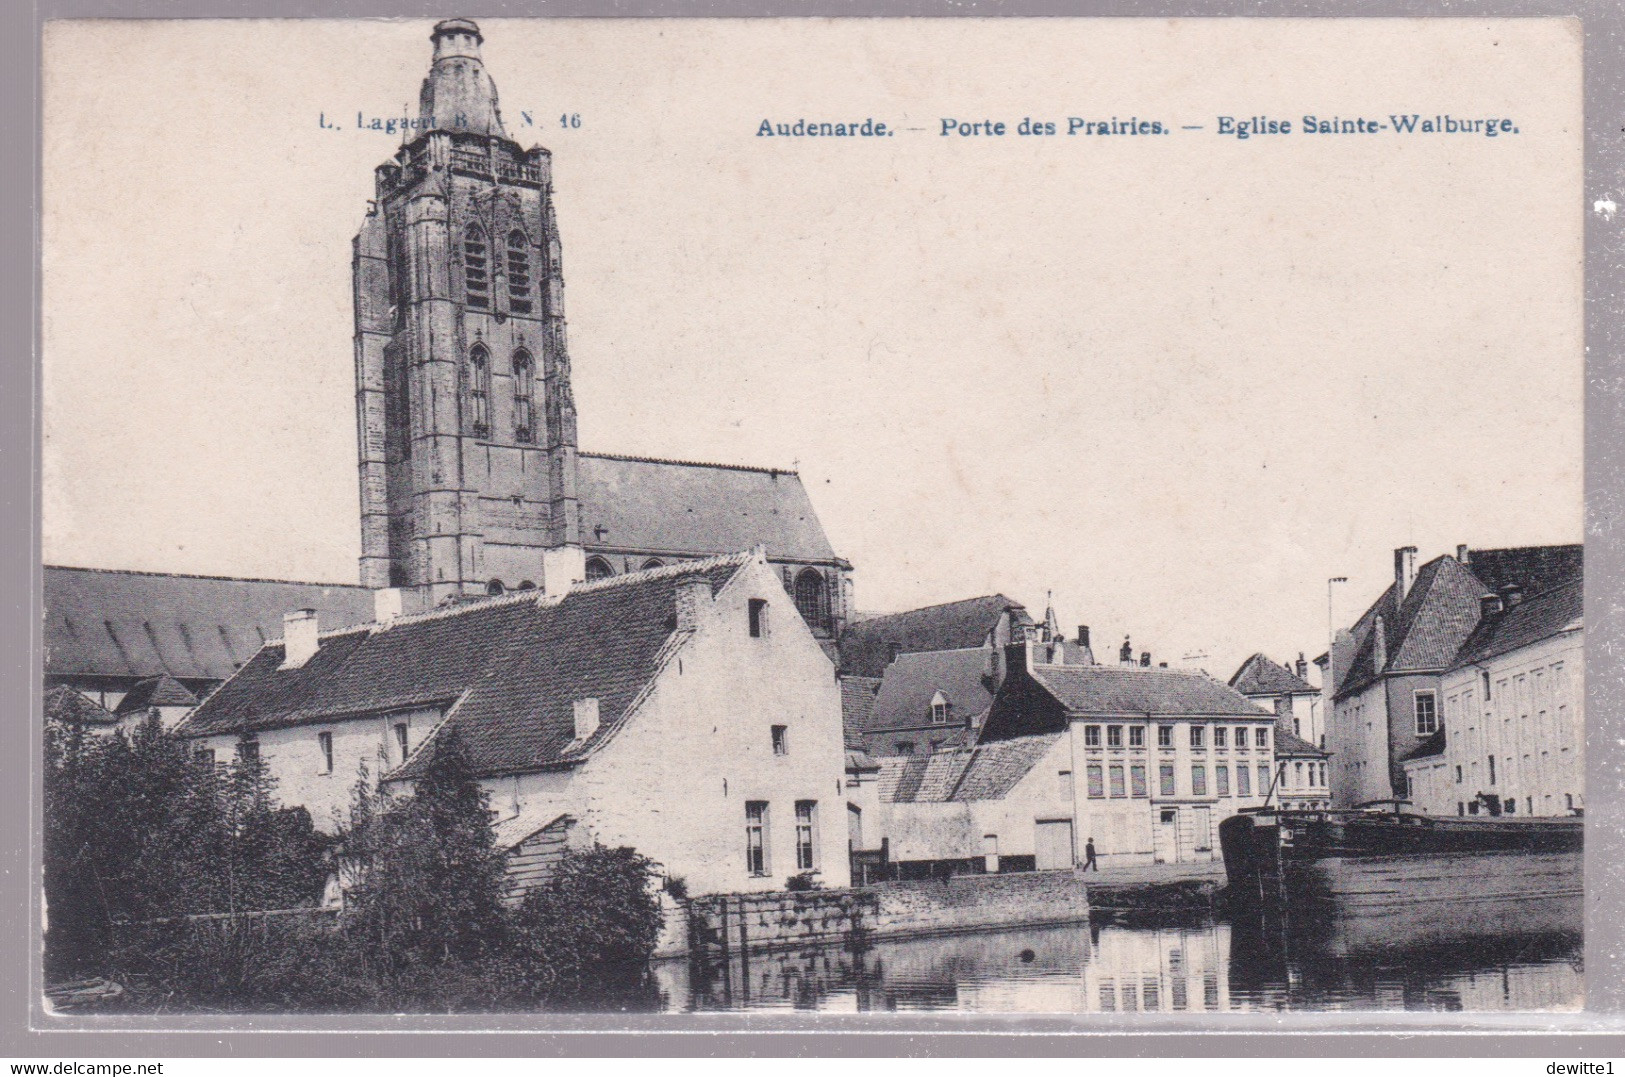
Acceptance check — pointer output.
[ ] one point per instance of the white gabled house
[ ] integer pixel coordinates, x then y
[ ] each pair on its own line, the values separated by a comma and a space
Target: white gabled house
686, 711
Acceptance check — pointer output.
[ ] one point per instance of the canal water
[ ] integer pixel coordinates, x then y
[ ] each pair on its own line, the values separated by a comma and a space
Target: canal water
1376, 953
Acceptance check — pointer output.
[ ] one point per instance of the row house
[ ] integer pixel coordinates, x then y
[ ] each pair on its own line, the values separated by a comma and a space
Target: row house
1142, 761
686, 711
1385, 673
1513, 733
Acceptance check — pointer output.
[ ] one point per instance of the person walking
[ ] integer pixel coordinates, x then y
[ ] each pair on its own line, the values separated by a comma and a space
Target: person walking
1089, 856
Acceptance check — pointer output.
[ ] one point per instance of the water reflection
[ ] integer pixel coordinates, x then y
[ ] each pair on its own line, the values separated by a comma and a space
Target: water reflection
1148, 966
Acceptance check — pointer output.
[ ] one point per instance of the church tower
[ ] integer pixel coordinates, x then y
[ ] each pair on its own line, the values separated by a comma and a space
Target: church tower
466, 421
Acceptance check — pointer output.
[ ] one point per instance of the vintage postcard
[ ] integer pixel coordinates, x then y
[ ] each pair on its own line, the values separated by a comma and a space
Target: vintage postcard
1066, 516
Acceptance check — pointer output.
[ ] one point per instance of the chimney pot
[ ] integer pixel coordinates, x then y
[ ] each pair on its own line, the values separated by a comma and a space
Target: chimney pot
1145, 658
1083, 635
1462, 554
300, 632
693, 599
1302, 666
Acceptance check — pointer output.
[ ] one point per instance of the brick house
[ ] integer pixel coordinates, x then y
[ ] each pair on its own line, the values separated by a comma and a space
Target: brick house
686, 711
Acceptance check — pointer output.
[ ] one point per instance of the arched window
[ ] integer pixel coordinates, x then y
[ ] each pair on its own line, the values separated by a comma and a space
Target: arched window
479, 391
495, 588
476, 268
518, 272
810, 597
598, 569
525, 585
524, 390
653, 562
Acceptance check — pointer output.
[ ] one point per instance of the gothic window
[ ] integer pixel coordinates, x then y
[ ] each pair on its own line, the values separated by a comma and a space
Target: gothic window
524, 394
518, 272
476, 269
479, 391
495, 588
810, 597
653, 562
598, 569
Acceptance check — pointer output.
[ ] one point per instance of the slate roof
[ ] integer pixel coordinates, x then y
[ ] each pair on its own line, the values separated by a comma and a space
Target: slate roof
1110, 691
513, 666
671, 506
163, 691
987, 772
951, 626
108, 623
65, 705
912, 682
1530, 621
1258, 676
857, 704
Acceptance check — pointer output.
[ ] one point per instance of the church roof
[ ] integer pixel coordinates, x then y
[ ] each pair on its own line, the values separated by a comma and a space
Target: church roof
110, 623
643, 505
952, 626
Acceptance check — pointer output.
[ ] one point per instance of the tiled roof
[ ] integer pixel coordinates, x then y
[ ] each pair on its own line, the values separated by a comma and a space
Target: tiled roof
858, 759
1422, 633
1530, 621
63, 704
1289, 745
1258, 676
1433, 746
953, 626
1534, 568
106, 623
513, 666
996, 767
670, 506
913, 681
1135, 690
163, 691
857, 704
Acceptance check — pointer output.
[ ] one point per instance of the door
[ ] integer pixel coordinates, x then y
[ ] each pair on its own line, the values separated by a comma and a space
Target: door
1202, 833
854, 826
1165, 839
1053, 847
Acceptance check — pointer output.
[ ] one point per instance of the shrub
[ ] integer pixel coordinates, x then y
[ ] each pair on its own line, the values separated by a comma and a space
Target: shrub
807, 880
585, 936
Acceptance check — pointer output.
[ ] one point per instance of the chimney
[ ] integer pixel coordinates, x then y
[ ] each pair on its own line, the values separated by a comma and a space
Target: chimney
299, 632
1301, 667
1283, 706
893, 649
693, 598
1462, 554
1083, 635
1489, 606
1379, 645
1511, 594
1018, 657
1125, 654
386, 604
586, 717
1145, 658
1404, 571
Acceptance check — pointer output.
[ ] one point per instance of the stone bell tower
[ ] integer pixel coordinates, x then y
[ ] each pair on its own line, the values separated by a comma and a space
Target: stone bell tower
466, 420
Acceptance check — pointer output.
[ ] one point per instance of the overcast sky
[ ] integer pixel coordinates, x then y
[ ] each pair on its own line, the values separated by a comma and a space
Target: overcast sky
1178, 380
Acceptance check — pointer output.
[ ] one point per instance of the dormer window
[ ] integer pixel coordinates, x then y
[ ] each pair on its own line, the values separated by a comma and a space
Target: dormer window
939, 709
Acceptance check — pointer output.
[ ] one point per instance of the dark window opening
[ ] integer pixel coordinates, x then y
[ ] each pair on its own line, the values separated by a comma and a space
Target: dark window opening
809, 597
495, 588
758, 618
524, 394
598, 569
479, 392
476, 279
518, 273
781, 740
